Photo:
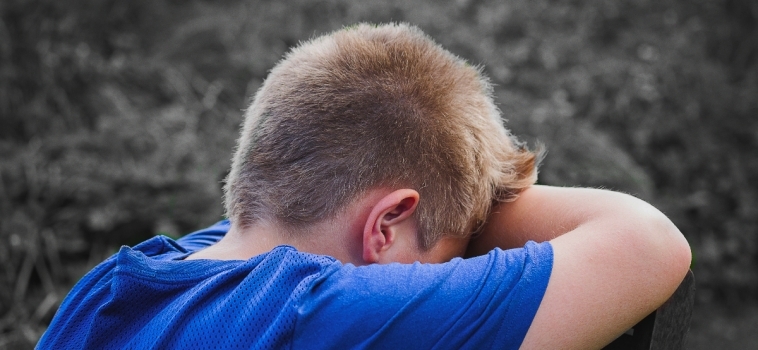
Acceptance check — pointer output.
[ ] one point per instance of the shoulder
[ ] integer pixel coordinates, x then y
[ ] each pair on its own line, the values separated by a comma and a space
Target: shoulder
205, 237
395, 303
211, 295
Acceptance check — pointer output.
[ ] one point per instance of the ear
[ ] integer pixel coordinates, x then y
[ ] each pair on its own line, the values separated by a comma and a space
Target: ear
388, 218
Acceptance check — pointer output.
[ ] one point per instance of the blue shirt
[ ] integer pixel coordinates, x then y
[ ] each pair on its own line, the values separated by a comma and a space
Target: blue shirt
149, 297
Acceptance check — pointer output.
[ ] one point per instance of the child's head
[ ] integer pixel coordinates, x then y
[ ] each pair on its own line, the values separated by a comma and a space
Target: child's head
368, 107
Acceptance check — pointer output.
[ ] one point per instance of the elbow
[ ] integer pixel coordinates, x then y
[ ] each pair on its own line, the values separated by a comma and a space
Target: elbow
654, 248
680, 252
655, 253
669, 250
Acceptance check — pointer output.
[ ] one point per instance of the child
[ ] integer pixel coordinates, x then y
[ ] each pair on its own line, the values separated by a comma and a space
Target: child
367, 161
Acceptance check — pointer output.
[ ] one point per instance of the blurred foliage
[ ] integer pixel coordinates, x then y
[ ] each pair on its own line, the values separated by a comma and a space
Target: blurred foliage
117, 118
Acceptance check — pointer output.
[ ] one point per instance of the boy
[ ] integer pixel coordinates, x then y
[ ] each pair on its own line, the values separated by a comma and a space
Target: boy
366, 161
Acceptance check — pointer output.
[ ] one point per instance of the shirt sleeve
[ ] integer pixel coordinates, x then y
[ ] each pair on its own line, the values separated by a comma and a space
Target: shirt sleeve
483, 302
206, 237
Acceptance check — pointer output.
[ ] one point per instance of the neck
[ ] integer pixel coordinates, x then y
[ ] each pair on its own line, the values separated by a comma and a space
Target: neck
340, 241
340, 237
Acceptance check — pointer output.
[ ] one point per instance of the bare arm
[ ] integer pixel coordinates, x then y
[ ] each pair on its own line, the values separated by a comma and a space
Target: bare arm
616, 259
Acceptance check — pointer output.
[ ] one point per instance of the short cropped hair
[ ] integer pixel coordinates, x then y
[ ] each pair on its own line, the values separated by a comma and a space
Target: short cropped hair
369, 107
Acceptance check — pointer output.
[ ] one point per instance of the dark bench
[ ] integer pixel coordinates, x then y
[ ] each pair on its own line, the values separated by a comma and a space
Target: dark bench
666, 328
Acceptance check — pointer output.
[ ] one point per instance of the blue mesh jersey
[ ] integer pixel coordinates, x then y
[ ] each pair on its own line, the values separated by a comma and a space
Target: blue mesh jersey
148, 297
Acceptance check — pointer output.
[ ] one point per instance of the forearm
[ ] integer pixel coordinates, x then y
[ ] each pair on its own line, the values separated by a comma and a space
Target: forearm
536, 215
542, 213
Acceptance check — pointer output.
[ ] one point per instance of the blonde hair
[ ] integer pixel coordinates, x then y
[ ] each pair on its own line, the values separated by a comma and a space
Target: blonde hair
368, 107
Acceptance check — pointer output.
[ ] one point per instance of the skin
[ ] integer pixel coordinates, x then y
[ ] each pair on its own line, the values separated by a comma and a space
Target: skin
616, 258
377, 228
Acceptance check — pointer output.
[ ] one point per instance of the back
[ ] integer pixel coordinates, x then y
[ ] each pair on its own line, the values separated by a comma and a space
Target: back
148, 297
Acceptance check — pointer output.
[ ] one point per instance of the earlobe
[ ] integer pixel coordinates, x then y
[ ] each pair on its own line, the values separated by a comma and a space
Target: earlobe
384, 222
